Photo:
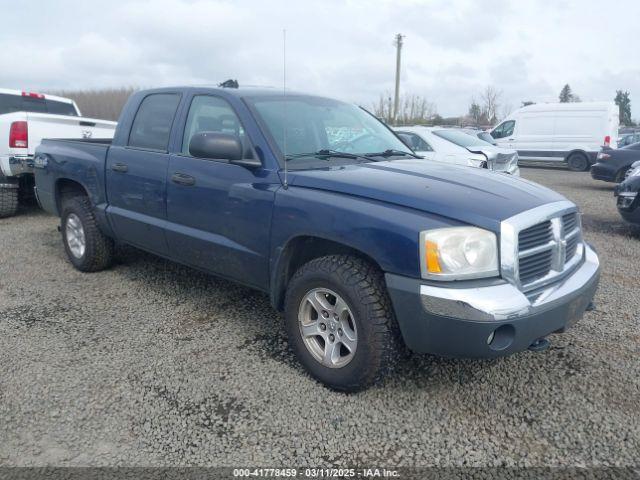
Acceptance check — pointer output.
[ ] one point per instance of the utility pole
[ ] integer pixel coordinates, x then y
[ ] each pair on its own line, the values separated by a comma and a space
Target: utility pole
398, 44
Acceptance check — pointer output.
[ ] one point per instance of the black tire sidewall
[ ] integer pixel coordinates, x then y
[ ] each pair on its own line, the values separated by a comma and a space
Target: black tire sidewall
344, 378
580, 159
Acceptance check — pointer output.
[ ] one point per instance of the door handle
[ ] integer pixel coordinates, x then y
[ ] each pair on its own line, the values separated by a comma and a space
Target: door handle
120, 167
182, 179
511, 139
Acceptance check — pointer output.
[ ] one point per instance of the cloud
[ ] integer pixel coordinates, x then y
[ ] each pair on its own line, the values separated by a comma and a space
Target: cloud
452, 49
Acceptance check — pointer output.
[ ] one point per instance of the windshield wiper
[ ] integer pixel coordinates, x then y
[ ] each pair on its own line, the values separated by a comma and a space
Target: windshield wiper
326, 154
392, 153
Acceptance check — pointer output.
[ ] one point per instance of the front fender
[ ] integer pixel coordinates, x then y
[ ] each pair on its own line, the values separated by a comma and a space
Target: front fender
386, 233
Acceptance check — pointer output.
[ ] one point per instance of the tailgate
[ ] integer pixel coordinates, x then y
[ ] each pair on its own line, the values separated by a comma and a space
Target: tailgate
58, 126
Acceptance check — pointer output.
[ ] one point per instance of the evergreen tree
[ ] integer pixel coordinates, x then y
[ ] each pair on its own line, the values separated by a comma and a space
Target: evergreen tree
624, 102
566, 95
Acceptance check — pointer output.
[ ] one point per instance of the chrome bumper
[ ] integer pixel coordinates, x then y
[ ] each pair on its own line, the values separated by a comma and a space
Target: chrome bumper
16, 165
505, 301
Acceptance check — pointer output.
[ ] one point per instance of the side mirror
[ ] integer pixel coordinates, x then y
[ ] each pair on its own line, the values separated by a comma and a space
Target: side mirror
222, 146
407, 140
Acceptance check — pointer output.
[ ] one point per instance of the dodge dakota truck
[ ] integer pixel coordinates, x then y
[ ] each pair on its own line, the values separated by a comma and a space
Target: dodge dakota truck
366, 247
25, 119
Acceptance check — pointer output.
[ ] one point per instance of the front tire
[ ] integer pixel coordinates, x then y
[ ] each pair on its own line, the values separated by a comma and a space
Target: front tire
578, 162
88, 249
8, 201
340, 322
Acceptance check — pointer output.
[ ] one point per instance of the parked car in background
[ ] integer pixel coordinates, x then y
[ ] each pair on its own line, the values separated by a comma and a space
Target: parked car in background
481, 134
467, 262
25, 119
628, 139
614, 164
560, 132
628, 199
454, 146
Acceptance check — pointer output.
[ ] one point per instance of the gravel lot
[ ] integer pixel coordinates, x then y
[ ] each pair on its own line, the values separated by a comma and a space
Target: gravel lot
151, 363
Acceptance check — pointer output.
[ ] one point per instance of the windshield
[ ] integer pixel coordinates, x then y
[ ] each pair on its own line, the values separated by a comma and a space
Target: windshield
460, 138
315, 124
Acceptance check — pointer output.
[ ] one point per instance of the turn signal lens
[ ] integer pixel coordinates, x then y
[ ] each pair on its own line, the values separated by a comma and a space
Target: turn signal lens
433, 264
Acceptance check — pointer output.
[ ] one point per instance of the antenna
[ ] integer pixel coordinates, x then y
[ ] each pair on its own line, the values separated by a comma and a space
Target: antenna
284, 104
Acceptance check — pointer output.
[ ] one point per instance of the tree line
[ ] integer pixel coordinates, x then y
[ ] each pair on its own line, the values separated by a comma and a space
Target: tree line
104, 103
485, 110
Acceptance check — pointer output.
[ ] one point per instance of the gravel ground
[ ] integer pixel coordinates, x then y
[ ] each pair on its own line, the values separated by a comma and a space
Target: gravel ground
151, 363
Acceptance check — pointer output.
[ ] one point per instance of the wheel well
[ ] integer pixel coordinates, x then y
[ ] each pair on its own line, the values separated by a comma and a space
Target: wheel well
66, 189
301, 250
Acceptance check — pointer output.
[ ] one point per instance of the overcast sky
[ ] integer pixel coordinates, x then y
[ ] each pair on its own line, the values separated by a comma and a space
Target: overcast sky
453, 48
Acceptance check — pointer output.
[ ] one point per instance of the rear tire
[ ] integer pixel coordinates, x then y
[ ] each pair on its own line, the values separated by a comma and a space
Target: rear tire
578, 162
363, 350
8, 201
88, 249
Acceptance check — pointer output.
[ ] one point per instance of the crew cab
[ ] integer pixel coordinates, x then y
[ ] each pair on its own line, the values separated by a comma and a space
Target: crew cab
25, 119
319, 204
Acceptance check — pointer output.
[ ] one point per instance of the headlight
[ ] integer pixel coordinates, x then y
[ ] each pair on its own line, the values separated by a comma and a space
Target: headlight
477, 163
458, 253
635, 172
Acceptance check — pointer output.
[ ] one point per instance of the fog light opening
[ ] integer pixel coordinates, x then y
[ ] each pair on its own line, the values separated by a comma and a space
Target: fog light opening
502, 337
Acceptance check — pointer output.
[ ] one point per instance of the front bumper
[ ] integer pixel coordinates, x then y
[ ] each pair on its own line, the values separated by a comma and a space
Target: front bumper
16, 165
489, 321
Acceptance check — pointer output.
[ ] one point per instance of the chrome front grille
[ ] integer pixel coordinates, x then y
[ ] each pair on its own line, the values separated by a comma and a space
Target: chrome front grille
541, 246
569, 222
535, 236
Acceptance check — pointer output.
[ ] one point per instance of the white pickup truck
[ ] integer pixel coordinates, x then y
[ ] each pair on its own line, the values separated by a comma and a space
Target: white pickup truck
25, 119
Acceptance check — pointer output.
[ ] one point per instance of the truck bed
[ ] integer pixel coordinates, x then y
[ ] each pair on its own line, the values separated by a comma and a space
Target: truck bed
81, 159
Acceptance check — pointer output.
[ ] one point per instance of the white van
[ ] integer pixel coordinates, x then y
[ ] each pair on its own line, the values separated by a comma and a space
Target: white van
560, 132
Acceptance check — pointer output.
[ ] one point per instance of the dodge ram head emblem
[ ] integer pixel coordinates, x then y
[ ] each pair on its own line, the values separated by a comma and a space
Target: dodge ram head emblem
86, 133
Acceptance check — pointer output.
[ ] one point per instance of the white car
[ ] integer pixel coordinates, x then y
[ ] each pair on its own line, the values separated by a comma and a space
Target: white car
451, 145
560, 132
25, 119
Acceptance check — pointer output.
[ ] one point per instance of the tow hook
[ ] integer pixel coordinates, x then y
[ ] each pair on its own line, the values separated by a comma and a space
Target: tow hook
540, 345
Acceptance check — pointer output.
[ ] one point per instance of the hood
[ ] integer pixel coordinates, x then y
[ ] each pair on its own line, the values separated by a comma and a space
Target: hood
470, 195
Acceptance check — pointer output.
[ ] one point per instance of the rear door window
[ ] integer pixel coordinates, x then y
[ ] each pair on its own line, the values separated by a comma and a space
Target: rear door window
152, 124
418, 143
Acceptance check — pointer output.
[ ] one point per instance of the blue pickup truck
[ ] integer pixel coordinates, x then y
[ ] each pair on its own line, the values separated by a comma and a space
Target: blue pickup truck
366, 247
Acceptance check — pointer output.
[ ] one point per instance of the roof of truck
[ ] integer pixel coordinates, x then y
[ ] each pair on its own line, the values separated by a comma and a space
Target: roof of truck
236, 92
8, 91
